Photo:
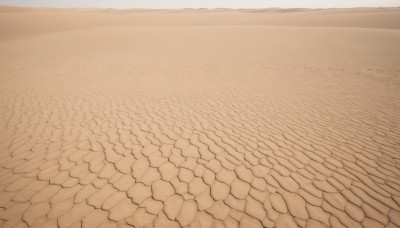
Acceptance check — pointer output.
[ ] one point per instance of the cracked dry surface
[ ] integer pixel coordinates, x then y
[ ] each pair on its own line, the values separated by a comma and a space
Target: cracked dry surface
121, 138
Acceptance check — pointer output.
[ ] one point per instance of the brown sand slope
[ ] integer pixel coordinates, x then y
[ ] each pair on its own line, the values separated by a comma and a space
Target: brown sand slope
199, 118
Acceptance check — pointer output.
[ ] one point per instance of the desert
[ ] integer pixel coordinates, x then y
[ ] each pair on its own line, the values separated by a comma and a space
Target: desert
199, 118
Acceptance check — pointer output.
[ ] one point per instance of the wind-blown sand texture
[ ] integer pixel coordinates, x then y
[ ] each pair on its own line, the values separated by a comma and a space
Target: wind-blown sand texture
199, 118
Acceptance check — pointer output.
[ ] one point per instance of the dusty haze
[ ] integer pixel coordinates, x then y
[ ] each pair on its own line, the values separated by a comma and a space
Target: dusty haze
199, 118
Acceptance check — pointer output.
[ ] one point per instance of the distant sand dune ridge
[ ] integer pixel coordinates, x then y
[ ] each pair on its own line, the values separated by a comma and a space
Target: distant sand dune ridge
195, 118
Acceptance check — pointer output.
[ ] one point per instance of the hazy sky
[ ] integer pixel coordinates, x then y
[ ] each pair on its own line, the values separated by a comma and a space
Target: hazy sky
203, 3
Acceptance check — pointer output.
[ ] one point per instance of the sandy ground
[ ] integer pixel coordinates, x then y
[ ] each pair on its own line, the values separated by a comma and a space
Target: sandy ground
199, 118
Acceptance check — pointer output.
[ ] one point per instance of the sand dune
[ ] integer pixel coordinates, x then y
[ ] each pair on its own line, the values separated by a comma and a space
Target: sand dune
199, 118
20, 22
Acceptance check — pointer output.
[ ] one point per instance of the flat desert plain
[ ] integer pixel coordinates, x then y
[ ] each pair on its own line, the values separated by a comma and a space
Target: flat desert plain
199, 118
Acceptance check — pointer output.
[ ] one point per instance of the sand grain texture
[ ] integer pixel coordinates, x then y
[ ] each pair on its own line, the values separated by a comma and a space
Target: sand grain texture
140, 118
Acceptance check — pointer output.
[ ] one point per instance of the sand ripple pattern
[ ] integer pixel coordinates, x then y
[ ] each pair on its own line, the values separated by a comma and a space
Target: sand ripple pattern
199, 146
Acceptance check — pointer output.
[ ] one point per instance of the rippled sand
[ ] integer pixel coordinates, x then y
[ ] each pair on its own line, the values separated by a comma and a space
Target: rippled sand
199, 118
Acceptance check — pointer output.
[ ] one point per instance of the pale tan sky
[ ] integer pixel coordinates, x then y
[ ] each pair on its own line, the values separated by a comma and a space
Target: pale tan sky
203, 3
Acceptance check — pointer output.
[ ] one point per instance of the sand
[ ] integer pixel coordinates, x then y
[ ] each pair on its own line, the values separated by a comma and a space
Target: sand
199, 118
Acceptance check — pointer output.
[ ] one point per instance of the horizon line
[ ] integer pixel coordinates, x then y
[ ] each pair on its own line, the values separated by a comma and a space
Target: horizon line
200, 8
